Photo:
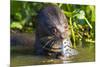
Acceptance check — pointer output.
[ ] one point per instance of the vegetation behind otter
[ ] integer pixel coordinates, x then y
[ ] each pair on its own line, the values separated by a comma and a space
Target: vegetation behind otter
81, 26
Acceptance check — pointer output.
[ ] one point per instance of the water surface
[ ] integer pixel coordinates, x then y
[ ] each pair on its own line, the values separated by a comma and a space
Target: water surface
27, 57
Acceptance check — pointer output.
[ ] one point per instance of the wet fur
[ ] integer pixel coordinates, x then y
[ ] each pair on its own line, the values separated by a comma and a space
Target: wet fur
48, 19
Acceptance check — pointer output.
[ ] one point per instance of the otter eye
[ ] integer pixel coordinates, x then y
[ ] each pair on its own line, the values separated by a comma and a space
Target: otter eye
54, 30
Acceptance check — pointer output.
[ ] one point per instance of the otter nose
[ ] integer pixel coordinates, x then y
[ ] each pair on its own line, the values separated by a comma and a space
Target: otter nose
62, 36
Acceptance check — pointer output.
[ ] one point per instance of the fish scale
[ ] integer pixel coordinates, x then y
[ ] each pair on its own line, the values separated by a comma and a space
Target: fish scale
67, 51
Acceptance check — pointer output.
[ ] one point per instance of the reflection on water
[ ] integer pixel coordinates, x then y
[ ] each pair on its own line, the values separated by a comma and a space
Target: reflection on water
85, 55
34, 60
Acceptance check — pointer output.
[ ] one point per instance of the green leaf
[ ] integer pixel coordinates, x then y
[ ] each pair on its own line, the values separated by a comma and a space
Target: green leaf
18, 16
68, 14
88, 22
80, 14
16, 25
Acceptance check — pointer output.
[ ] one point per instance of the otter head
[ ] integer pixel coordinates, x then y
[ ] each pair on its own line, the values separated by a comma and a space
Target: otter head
53, 22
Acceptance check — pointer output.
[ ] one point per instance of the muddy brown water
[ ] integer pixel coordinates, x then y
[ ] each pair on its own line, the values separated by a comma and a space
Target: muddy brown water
24, 56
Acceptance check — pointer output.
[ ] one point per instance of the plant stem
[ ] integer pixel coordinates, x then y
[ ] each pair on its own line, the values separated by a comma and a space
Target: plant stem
88, 22
73, 35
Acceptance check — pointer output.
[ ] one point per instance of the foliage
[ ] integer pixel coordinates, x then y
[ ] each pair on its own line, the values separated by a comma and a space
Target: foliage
81, 19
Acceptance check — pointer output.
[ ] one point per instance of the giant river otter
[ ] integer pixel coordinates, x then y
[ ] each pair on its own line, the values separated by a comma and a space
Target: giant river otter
51, 31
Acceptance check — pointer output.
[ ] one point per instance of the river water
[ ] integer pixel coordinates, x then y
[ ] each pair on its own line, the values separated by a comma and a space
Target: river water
24, 59
21, 56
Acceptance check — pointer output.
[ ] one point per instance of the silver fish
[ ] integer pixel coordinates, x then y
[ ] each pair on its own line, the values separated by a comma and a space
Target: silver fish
67, 51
